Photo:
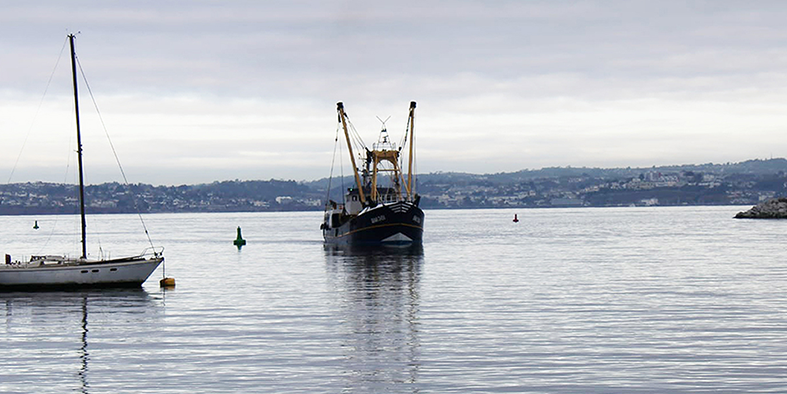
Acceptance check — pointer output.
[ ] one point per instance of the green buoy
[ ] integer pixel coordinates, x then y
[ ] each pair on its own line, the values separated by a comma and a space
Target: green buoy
239, 241
35, 226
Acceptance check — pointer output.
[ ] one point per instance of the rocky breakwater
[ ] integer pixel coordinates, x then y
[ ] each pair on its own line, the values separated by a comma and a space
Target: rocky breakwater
772, 209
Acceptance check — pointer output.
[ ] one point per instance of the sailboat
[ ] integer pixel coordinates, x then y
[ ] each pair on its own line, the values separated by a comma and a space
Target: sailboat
375, 213
60, 271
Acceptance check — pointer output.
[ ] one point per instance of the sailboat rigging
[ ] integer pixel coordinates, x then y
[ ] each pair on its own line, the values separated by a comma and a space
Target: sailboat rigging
55, 271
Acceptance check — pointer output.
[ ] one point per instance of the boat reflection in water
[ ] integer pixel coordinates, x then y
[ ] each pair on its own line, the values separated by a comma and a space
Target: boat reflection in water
379, 289
64, 324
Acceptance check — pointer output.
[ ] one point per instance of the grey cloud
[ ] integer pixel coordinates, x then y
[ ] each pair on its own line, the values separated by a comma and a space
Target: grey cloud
573, 82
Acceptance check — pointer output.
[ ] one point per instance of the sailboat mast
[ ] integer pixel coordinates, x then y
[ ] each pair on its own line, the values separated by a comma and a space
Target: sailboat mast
79, 147
340, 108
410, 185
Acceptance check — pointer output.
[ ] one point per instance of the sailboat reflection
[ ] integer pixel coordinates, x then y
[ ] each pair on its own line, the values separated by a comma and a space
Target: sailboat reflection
84, 356
66, 316
379, 302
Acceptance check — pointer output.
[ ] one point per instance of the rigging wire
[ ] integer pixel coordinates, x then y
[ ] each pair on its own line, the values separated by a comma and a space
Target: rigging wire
403, 142
35, 116
415, 167
333, 160
337, 146
53, 228
360, 149
355, 137
114, 152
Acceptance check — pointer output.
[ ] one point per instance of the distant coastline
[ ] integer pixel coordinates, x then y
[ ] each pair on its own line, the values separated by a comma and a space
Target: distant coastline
745, 183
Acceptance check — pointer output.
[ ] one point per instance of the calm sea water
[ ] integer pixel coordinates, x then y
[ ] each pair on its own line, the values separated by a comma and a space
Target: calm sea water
628, 300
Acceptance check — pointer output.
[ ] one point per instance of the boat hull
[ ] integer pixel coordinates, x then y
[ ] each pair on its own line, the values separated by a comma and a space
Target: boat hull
400, 223
127, 272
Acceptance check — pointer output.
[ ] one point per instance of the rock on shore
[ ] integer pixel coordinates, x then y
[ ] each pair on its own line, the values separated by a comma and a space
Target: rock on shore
775, 208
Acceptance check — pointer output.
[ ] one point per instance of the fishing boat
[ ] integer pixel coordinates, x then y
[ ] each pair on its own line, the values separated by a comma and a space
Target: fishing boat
382, 207
61, 271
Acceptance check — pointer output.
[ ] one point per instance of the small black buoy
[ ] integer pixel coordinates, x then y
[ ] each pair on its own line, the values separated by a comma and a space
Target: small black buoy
35, 226
515, 219
239, 241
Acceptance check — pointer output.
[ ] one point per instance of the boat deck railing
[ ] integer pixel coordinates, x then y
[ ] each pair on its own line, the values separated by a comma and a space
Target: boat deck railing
154, 251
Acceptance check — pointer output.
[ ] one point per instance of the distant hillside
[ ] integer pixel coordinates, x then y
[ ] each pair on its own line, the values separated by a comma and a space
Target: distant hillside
756, 167
753, 167
743, 183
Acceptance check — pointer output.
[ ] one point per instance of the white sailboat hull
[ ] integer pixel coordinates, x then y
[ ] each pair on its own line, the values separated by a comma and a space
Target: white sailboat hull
44, 272
64, 273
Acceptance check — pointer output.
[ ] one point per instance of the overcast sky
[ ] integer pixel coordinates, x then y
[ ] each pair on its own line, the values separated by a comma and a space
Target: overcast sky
199, 91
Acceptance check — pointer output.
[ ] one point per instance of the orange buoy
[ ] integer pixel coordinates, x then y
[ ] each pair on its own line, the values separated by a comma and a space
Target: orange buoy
167, 282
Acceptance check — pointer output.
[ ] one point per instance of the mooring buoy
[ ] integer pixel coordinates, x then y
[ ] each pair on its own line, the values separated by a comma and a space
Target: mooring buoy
515, 219
167, 282
239, 241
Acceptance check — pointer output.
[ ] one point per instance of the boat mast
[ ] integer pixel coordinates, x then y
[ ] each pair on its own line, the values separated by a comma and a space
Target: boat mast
410, 190
79, 147
340, 109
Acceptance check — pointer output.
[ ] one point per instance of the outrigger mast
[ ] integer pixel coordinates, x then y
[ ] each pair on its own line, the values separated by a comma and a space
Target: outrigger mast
411, 122
342, 117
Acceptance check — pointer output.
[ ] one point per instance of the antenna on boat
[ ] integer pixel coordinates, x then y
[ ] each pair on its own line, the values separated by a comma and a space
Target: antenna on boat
384, 128
383, 121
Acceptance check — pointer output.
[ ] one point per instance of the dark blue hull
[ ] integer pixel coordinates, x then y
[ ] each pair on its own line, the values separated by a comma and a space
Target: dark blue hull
399, 223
